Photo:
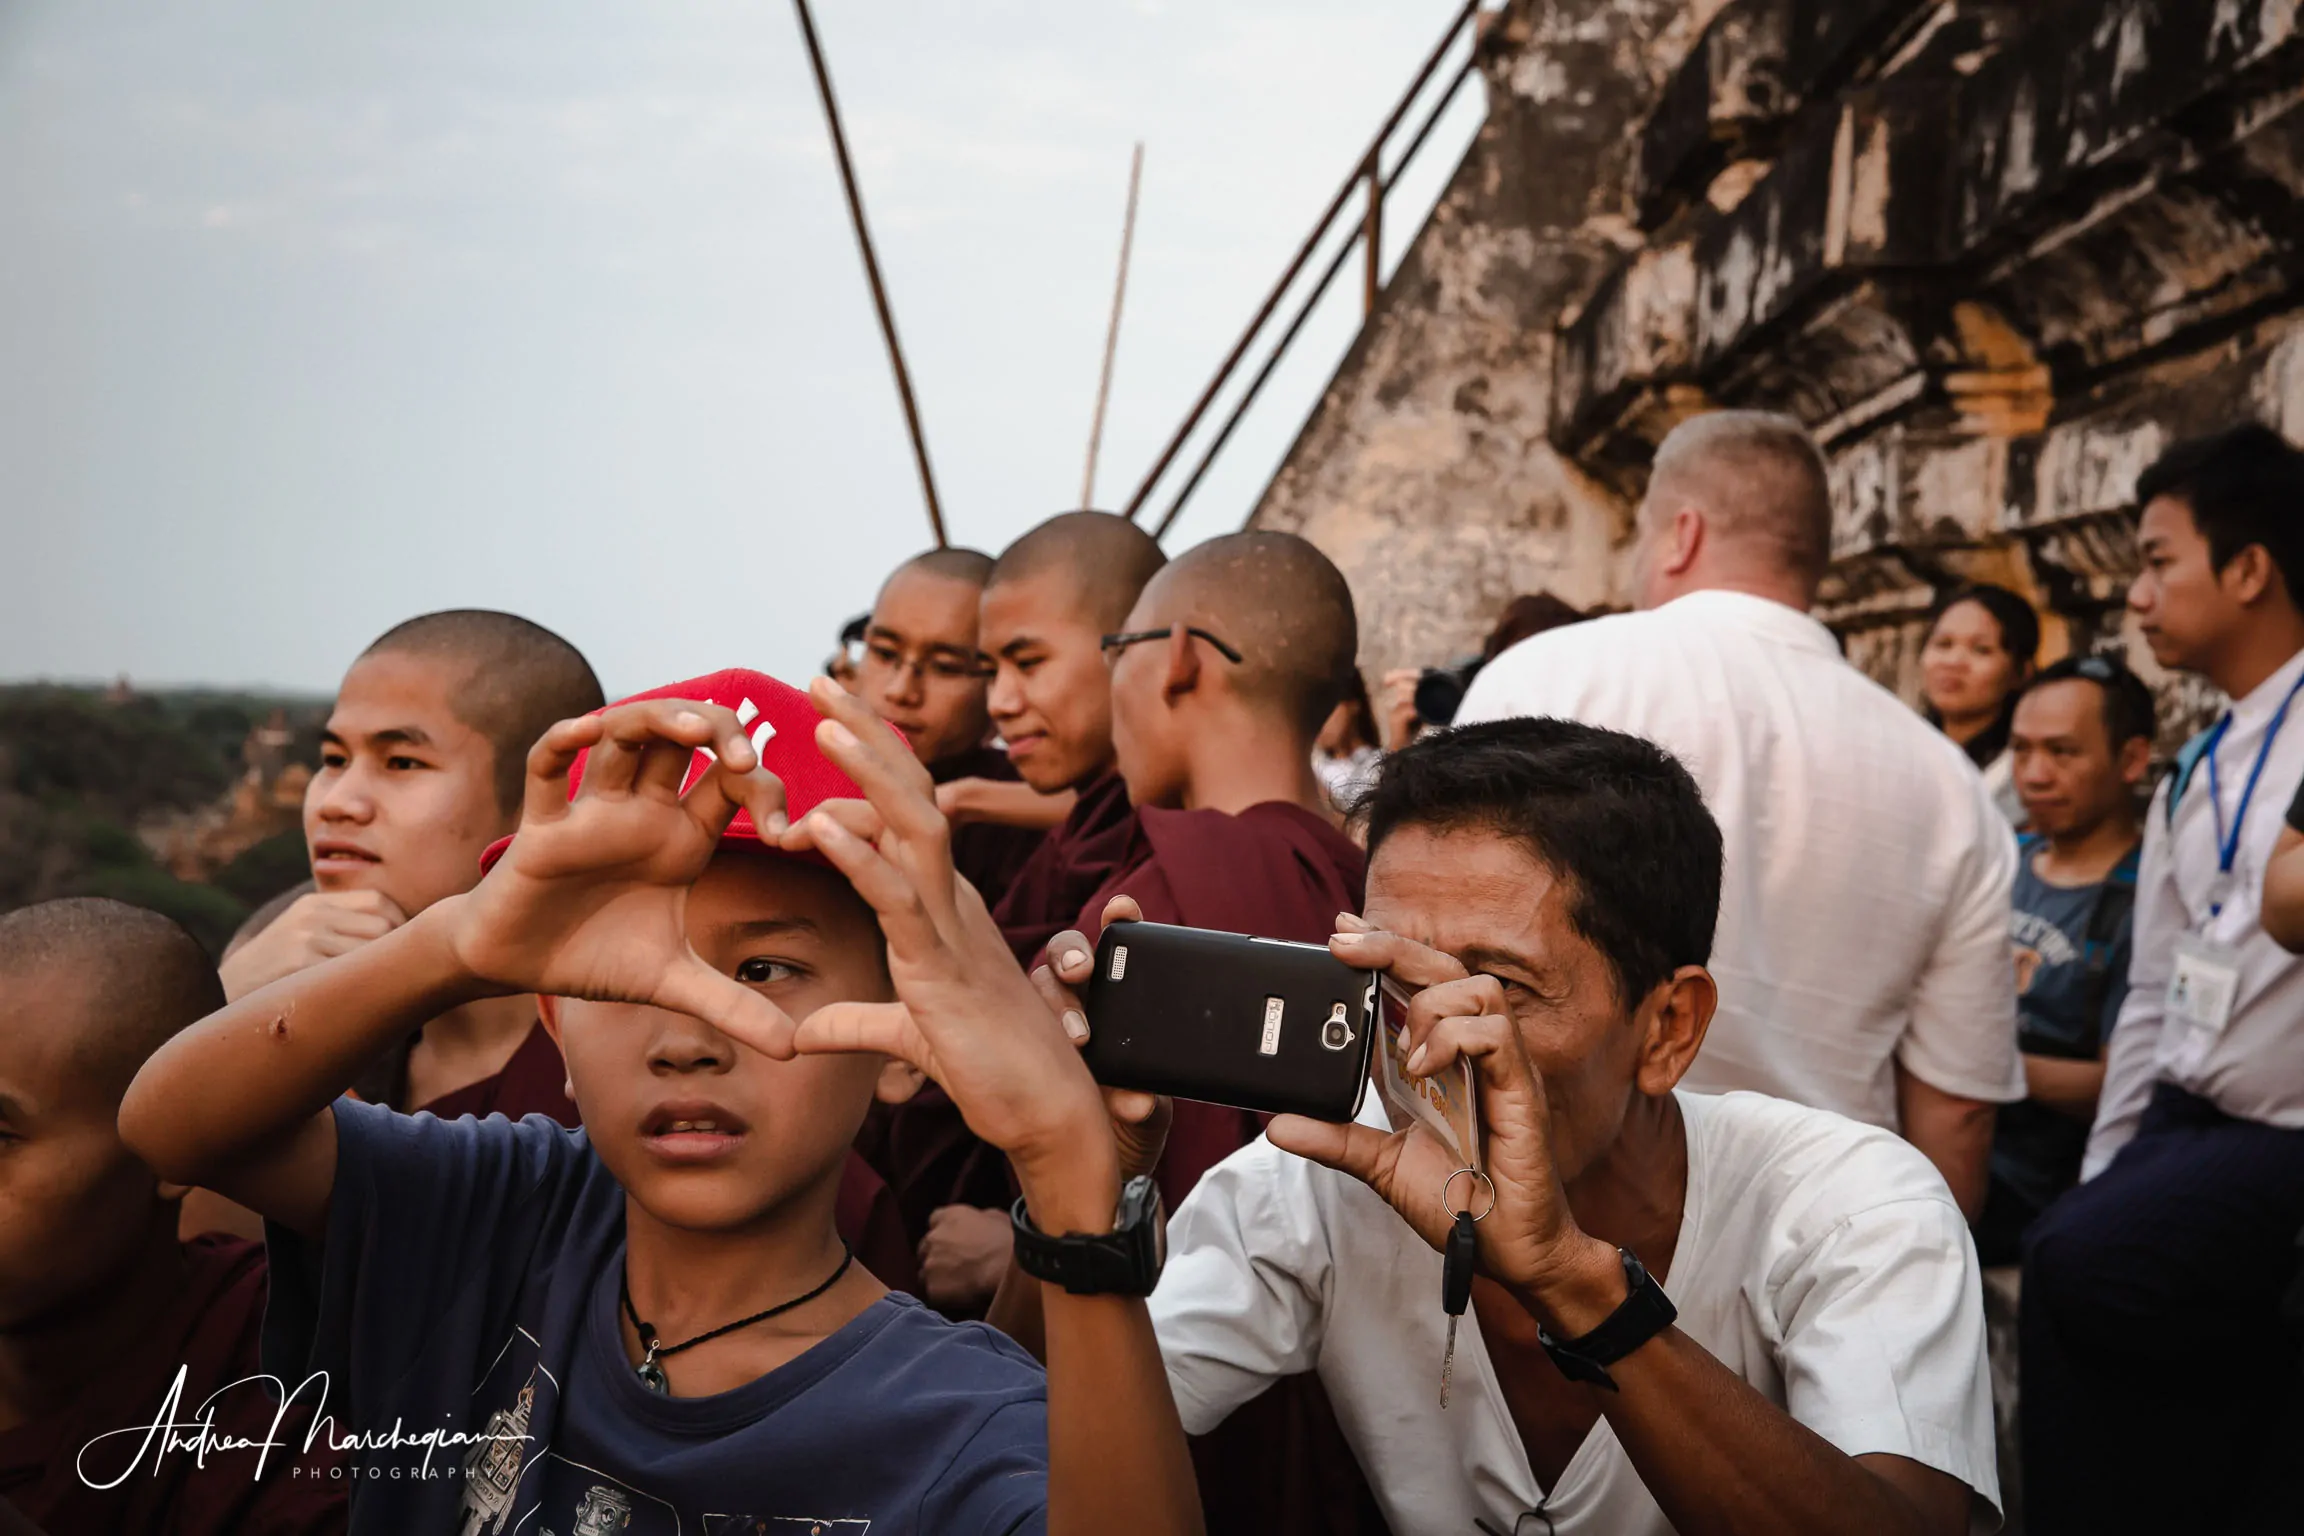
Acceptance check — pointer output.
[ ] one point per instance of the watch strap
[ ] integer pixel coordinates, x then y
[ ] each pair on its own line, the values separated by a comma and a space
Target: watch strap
1125, 1261
1644, 1313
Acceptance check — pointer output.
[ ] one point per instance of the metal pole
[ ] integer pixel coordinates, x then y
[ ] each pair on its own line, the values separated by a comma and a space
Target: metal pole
872, 272
1303, 256
1288, 336
1372, 277
1112, 334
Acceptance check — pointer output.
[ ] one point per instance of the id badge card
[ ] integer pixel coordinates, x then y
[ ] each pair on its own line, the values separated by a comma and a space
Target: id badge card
1447, 1103
2203, 984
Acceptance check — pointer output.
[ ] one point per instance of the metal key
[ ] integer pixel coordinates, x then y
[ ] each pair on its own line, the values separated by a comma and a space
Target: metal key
1456, 1265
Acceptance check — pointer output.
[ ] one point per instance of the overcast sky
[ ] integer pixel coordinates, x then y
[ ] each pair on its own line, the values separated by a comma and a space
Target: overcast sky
316, 317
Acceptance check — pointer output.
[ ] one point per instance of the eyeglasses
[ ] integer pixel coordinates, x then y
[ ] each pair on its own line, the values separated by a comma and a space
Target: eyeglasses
1114, 644
2096, 669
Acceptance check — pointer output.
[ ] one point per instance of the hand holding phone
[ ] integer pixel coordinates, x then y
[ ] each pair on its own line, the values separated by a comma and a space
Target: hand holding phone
1139, 1120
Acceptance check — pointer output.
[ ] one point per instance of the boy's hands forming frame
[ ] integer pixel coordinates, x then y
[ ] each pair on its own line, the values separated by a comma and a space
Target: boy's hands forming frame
591, 899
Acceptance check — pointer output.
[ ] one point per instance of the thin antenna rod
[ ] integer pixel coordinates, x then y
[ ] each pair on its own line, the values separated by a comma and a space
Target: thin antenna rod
872, 272
1112, 335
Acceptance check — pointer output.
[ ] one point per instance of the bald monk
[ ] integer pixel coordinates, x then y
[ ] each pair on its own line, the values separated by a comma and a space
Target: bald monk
100, 1304
1052, 597
923, 673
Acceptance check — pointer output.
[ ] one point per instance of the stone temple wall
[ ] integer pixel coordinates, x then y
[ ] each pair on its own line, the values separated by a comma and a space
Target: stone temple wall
1995, 253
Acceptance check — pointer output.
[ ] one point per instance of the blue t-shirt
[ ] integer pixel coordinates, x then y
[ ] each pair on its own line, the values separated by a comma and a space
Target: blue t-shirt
466, 1298
2071, 978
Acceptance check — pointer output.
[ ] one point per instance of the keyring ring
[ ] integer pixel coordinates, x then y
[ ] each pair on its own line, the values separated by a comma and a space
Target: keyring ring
1451, 1184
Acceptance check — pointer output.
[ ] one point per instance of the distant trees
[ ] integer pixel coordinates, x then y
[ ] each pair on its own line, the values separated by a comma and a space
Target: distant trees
80, 771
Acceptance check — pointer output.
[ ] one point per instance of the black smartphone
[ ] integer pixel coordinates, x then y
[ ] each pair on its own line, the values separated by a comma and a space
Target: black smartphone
1260, 1024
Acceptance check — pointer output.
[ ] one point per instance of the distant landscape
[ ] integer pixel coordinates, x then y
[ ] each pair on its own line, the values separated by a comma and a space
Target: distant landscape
182, 800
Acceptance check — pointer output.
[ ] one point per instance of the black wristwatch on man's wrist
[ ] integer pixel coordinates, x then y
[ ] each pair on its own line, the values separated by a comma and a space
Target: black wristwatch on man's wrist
1125, 1261
1644, 1313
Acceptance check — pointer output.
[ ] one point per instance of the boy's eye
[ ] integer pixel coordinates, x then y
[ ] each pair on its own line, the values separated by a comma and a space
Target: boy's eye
331, 759
402, 764
759, 972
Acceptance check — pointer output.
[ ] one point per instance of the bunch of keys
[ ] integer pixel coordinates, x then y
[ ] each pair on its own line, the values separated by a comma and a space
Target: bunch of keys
1459, 1258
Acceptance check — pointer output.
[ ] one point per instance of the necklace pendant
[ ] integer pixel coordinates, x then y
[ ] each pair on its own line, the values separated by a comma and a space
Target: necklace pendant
652, 1375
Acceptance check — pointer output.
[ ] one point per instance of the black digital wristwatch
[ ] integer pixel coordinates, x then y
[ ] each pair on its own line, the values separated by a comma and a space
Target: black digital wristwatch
1125, 1261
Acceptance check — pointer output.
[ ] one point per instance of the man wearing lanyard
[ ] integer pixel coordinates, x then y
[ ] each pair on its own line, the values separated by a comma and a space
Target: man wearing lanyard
2155, 1371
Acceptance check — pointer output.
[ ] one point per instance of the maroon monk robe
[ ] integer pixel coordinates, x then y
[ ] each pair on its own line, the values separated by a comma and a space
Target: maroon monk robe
922, 1148
1279, 1466
987, 855
1075, 860
211, 1332
534, 1082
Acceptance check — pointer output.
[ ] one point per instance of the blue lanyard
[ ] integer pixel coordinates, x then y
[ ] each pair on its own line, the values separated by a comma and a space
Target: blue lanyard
2228, 846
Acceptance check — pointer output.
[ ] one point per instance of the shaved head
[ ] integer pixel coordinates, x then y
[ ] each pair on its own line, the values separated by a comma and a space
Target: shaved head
1760, 482
922, 670
139, 978
972, 566
1103, 560
1281, 604
518, 680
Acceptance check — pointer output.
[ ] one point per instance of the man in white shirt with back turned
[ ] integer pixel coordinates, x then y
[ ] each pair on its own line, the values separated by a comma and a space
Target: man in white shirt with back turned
1862, 954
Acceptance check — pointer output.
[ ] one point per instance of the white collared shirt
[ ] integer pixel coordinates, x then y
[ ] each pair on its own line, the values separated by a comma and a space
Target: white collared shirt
1820, 1260
2255, 1068
1864, 904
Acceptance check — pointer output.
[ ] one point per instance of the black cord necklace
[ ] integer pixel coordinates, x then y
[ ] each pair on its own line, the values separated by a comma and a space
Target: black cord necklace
652, 1375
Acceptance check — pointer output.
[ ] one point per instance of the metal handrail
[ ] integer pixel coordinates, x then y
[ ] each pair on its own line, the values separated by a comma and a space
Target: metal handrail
1367, 173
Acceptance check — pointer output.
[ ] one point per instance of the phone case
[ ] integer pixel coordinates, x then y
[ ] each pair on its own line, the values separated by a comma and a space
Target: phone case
1257, 1024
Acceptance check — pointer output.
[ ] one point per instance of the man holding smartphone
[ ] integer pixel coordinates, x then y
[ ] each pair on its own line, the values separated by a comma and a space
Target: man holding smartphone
1691, 1313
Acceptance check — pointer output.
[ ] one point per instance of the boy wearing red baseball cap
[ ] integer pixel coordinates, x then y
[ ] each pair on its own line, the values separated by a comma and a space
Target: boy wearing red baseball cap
652, 1325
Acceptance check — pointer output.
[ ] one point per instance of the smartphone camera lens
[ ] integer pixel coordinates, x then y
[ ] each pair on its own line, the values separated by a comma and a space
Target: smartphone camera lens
1337, 1032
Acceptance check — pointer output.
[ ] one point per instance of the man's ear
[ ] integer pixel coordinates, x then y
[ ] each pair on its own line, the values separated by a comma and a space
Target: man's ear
1183, 665
1677, 1014
2249, 575
1684, 541
2134, 760
898, 1081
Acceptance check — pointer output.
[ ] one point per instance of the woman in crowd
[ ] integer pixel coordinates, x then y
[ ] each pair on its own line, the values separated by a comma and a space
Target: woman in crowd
1982, 642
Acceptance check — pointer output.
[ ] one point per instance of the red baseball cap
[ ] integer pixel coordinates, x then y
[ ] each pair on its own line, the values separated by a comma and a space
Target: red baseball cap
781, 721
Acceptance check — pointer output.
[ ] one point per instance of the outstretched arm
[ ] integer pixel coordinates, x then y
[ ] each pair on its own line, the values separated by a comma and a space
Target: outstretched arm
969, 1018
588, 902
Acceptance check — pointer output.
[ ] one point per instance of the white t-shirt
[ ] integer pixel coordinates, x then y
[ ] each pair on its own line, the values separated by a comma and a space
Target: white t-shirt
1864, 903
1821, 1260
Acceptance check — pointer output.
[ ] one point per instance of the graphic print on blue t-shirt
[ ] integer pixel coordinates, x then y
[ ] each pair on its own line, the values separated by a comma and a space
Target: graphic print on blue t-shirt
2071, 945
463, 1311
